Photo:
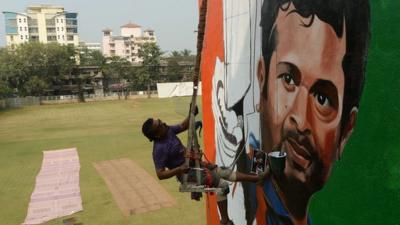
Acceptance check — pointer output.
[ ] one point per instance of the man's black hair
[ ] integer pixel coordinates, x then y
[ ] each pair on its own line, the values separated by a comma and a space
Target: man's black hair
354, 14
146, 129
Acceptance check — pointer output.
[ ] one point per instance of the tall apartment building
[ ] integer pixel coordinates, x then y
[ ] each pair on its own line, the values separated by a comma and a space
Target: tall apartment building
128, 43
42, 23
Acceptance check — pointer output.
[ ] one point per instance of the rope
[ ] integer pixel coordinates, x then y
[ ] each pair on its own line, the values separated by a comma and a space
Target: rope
192, 137
193, 144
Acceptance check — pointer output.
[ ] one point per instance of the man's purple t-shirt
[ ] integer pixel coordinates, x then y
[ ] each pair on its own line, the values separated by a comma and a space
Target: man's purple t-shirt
168, 153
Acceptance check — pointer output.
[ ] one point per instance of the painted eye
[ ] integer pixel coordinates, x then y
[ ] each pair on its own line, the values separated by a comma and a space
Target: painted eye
288, 81
288, 78
322, 99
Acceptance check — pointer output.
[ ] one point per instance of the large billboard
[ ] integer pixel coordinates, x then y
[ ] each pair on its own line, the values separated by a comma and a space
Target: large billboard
282, 82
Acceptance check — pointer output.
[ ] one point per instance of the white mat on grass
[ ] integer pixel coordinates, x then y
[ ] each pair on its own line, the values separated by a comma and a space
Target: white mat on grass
57, 191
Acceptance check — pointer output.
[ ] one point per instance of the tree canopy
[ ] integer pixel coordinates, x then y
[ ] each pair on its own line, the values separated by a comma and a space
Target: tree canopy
34, 69
149, 72
30, 68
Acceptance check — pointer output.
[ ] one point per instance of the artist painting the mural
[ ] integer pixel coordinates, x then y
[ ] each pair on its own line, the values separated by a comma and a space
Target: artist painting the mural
311, 77
169, 161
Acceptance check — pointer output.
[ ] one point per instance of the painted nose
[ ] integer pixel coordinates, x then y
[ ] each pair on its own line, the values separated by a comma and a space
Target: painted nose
298, 114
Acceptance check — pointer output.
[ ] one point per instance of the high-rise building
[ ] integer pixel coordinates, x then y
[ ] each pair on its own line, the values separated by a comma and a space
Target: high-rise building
42, 23
128, 43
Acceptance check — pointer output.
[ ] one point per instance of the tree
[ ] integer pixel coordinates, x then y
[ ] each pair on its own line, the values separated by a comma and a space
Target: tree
186, 53
6, 73
150, 53
29, 69
5, 90
61, 60
91, 58
36, 86
174, 71
97, 59
115, 70
26, 61
176, 54
176, 63
187, 56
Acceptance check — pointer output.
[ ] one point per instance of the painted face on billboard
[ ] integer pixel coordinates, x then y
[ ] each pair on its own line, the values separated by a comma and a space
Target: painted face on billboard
302, 95
282, 76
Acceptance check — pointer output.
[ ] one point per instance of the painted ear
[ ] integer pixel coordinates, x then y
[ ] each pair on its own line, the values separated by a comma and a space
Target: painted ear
348, 130
261, 72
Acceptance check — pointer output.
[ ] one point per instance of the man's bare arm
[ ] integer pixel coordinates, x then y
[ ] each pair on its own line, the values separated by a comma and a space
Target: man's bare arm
165, 174
185, 122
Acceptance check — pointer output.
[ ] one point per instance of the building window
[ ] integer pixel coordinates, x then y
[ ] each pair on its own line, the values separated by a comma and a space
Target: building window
32, 22
22, 37
26, 28
34, 38
24, 20
51, 38
58, 37
26, 36
51, 30
61, 20
63, 37
72, 30
62, 28
50, 22
20, 20
33, 30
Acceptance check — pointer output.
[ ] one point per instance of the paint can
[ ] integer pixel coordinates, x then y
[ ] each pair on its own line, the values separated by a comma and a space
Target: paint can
277, 161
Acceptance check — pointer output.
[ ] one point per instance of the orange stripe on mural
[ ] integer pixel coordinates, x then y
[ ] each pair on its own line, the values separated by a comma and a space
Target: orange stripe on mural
213, 46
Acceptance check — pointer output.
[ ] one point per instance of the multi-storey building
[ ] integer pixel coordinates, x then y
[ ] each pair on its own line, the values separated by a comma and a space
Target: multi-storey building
42, 23
128, 43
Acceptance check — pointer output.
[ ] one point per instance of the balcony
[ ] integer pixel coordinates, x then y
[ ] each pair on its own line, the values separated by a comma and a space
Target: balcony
51, 38
71, 23
51, 30
32, 22
72, 30
33, 30
50, 23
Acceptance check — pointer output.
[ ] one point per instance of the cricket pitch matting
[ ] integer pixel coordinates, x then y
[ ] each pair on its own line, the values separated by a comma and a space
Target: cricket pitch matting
133, 189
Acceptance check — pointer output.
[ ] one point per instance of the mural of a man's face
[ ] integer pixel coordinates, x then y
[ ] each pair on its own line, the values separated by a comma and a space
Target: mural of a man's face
302, 107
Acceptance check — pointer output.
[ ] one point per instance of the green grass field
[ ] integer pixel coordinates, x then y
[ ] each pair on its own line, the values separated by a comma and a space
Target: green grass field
100, 131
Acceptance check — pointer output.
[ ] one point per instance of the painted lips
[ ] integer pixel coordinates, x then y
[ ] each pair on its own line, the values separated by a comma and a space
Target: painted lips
298, 153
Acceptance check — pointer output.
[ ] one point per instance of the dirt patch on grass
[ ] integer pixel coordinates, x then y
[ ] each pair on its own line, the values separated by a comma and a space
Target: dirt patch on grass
133, 189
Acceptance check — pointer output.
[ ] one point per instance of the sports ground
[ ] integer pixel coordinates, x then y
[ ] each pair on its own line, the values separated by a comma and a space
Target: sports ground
100, 131
364, 184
